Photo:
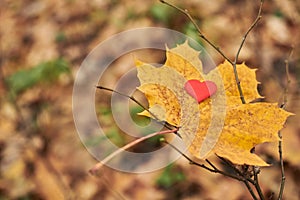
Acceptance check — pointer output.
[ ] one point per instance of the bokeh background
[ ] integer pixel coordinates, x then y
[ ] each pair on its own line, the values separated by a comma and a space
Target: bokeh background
43, 43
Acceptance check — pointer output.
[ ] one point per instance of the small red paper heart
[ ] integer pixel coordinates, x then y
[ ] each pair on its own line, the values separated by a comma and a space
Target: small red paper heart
200, 90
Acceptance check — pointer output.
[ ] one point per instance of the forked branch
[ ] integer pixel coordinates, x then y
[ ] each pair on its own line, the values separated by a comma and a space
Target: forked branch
238, 176
246, 180
201, 35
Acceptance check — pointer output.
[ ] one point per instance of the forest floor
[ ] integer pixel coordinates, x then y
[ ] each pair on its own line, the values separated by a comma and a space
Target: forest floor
43, 44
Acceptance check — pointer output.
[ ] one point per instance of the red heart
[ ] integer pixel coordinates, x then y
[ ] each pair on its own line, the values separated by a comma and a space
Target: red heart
200, 90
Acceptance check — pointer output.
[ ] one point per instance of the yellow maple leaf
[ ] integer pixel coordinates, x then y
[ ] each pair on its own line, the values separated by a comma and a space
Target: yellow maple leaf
220, 124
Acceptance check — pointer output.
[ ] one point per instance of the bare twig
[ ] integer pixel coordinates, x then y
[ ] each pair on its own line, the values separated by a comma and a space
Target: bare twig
255, 170
258, 17
283, 105
210, 163
250, 190
201, 35
125, 95
214, 169
255, 182
246, 180
164, 123
95, 169
282, 183
288, 80
239, 50
186, 13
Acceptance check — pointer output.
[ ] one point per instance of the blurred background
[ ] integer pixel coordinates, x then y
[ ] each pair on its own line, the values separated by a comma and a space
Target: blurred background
43, 43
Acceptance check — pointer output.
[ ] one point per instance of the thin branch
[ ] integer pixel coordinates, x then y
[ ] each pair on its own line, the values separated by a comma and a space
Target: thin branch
186, 157
246, 180
230, 165
125, 95
255, 170
187, 14
164, 123
248, 31
239, 50
256, 183
282, 182
236, 170
250, 190
210, 163
201, 35
214, 168
288, 80
95, 169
